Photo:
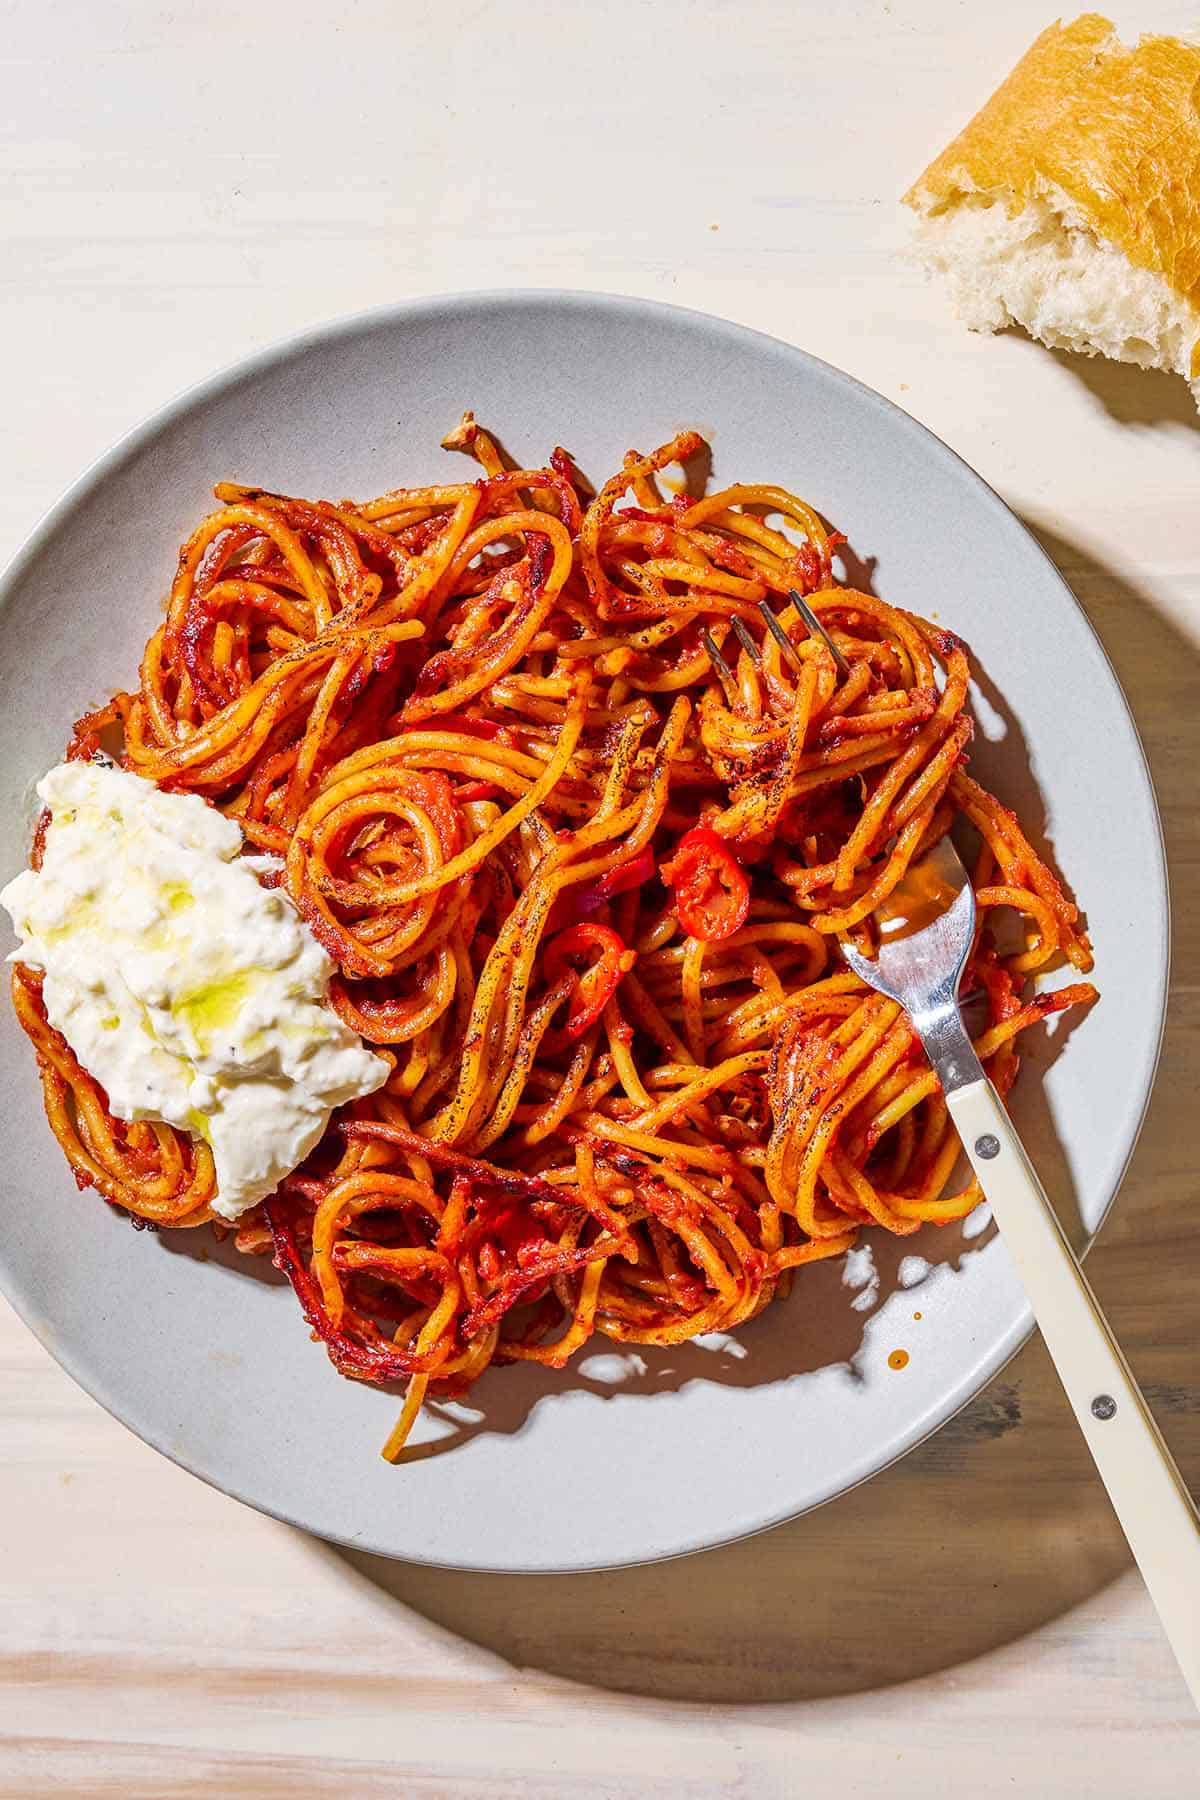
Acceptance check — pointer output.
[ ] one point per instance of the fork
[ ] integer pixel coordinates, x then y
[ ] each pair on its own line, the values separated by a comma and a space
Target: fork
725, 674
926, 928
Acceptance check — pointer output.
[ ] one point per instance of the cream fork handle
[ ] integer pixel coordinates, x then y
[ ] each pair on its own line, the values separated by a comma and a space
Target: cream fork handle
1143, 1483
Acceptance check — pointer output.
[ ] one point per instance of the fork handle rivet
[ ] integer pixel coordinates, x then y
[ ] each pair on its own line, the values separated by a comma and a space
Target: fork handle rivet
987, 1146
1104, 1406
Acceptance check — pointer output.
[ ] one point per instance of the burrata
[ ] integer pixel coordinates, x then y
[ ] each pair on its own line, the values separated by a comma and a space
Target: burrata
190, 991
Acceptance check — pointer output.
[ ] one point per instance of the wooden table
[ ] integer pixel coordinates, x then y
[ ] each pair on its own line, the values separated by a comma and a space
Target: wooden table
186, 183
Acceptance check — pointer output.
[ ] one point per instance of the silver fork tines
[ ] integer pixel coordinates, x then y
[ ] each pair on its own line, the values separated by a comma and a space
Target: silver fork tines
746, 641
781, 637
815, 626
725, 674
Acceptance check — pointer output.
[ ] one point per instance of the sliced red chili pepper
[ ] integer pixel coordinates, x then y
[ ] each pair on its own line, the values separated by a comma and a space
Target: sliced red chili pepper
594, 985
712, 894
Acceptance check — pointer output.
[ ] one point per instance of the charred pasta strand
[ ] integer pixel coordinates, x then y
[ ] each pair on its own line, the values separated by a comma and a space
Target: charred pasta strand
585, 890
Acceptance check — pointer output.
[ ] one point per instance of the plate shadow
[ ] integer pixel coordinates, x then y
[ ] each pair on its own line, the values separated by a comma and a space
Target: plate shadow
1132, 396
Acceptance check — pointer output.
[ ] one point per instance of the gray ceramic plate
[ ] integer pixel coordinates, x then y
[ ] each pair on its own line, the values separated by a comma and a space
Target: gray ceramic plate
623, 1458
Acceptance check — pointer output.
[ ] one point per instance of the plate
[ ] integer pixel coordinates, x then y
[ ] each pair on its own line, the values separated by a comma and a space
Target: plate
624, 1458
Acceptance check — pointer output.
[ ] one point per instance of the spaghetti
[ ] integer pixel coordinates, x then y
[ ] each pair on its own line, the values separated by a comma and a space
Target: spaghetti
584, 890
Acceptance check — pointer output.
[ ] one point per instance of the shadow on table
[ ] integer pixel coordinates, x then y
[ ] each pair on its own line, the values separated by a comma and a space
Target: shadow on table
1131, 396
996, 1524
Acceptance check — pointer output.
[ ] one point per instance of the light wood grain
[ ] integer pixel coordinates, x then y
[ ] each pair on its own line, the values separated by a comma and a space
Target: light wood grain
184, 184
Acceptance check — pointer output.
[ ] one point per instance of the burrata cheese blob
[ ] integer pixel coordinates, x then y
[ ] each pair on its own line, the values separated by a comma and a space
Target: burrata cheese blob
192, 993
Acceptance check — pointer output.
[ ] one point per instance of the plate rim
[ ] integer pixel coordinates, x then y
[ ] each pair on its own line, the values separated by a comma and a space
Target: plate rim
986, 1367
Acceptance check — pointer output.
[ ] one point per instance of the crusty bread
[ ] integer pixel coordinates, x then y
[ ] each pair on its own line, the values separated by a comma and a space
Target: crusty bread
1071, 202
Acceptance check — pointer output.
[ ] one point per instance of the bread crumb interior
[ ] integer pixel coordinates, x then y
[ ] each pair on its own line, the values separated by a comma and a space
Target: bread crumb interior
1042, 267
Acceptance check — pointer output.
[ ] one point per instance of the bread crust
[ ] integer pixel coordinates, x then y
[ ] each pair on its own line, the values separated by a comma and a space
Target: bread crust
1117, 130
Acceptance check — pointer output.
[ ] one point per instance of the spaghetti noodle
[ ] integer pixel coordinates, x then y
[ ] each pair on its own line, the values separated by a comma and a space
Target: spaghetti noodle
585, 894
